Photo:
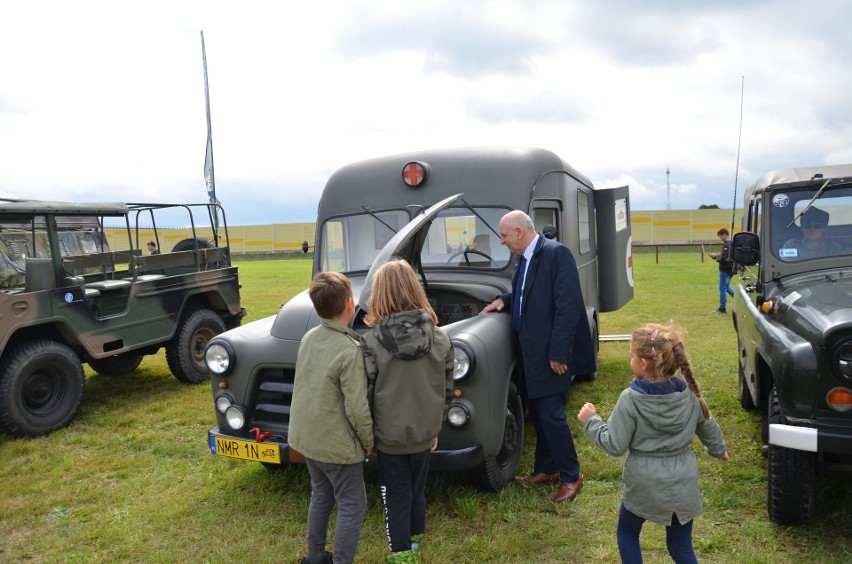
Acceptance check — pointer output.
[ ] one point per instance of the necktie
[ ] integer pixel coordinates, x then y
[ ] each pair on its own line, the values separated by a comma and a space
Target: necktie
517, 292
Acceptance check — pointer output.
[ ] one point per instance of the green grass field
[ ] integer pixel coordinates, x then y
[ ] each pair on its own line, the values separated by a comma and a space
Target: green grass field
132, 479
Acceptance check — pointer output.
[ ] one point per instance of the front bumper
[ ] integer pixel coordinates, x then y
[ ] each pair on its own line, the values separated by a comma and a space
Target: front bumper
809, 439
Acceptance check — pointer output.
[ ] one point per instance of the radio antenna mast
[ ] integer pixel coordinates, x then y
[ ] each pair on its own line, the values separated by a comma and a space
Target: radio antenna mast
739, 144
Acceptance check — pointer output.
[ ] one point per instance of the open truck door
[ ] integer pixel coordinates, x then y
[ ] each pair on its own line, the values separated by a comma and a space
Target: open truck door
615, 252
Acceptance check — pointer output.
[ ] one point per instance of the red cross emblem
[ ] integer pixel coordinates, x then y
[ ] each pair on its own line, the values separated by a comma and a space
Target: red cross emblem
413, 174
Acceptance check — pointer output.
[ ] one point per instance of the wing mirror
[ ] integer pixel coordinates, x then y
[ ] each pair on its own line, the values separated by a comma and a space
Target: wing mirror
746, 248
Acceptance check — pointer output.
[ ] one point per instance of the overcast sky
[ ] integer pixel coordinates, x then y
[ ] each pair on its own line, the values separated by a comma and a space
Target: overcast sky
104, 101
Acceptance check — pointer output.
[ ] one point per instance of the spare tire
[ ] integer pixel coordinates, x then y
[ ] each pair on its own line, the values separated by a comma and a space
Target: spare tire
193, 242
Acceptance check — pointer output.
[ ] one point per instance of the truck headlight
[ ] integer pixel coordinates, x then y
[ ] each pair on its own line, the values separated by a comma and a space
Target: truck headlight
223, 402
458, 415
219, 357
464, 361
235, 415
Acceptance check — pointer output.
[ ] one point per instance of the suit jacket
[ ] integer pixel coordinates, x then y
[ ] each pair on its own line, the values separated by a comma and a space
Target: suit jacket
554, 325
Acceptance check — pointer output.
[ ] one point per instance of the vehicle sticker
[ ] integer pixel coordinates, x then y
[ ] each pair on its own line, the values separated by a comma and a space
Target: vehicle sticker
788, 253
780, 200
69, 297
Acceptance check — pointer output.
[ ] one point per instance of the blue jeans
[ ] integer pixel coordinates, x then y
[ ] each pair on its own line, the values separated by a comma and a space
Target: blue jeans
725, 289
678, 539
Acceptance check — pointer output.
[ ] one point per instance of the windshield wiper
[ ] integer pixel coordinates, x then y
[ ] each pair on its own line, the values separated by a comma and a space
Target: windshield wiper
807, 207
482, 219
377, 218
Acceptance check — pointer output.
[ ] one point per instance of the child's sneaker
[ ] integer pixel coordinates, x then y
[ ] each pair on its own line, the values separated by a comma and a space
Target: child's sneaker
405, 557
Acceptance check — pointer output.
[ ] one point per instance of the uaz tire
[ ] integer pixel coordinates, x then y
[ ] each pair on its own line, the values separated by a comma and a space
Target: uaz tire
792, 478
41, 388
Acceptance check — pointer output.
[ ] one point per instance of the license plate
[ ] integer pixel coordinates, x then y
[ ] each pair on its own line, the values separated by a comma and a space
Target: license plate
245, 450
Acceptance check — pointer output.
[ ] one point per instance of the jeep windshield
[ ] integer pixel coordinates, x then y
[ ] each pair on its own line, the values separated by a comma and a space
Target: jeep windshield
457, 238
823, 230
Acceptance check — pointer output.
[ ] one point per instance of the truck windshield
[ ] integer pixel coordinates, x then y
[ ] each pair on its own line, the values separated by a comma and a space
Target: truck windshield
457, 238
824, 230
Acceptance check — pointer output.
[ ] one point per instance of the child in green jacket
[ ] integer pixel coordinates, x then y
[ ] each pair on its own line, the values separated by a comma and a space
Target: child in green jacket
655, 419
410, 375
330, 422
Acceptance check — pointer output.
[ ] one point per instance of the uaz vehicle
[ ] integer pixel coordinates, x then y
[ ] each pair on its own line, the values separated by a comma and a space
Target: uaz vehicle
440, 210
794, 327
66, 297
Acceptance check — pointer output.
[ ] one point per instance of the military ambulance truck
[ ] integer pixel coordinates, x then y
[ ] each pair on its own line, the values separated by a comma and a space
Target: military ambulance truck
68, 297
440, 210
793, 321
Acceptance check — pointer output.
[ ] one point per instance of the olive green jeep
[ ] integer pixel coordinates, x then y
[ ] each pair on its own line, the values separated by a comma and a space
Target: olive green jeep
794, 328
76, 287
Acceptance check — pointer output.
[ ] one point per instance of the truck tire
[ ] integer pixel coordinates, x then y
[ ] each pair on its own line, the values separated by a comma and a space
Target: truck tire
116, 365
745, 396
185, 352
792, 478
41, 388
496, 473
189, 244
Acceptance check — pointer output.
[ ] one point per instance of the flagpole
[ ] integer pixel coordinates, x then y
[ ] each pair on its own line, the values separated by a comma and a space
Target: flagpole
209, 178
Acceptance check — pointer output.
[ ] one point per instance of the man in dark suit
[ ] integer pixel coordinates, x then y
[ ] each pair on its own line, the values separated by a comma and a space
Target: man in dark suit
549, 317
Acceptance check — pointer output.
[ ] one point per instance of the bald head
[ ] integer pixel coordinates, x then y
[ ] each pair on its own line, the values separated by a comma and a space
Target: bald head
516, 231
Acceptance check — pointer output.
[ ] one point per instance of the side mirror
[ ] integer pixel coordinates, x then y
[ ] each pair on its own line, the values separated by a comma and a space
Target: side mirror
745, 249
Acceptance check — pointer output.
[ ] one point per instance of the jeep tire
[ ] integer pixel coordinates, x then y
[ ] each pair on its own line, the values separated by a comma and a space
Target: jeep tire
116, 365
496, 473
185, 352
792, 478
190, 244
41, 388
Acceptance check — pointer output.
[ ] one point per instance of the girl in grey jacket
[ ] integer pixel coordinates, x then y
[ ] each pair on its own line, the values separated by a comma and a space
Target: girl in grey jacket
655, 420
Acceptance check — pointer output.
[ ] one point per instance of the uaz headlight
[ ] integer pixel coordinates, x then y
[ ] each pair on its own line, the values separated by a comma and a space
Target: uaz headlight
843, 360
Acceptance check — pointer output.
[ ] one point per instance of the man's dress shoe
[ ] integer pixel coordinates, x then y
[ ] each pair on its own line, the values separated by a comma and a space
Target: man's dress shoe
568, 492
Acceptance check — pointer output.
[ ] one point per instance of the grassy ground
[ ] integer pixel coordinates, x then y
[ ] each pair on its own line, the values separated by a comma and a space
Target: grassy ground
132, 479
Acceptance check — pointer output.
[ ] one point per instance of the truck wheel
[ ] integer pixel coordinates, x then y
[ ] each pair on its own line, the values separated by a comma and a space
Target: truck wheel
745, 396
185, 352
116, 365
792, 478
496, 473
189, 244
41, 388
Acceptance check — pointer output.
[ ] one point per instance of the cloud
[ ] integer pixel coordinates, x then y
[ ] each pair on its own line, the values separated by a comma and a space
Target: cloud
458, 39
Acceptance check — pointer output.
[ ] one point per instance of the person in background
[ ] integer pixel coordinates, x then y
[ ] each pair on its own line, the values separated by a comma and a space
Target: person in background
549, 318
409, 364
152, 248
330, 422
655, 420
726, 269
